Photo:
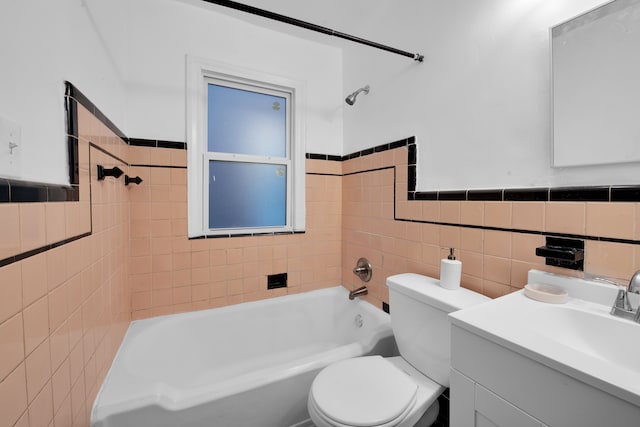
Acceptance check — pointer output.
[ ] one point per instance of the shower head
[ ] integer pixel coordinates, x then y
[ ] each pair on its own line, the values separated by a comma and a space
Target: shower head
351, 99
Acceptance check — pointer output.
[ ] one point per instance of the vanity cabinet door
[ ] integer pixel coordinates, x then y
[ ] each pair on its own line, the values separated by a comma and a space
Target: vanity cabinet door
462, 400
493, 411
475, 406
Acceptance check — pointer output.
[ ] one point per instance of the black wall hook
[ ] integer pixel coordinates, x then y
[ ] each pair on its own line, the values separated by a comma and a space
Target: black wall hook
115, 172
128, 180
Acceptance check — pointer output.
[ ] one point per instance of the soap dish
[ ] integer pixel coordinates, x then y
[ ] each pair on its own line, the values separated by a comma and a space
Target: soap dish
546, 293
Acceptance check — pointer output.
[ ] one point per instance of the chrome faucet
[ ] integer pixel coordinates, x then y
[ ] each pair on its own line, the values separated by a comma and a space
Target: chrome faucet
362, 290
622, 306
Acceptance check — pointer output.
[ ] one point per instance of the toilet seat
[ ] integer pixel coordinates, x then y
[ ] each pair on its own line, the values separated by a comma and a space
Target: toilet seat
363, 392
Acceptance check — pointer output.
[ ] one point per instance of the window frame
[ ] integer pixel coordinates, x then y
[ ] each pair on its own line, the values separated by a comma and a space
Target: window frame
201, 72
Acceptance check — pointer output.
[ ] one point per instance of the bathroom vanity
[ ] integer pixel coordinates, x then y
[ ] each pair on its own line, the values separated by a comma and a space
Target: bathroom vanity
520, 362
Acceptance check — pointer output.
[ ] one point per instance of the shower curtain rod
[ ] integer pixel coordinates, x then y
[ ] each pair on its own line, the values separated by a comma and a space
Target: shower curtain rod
313, 27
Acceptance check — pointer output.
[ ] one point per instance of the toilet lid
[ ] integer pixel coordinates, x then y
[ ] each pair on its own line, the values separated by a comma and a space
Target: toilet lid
364, 391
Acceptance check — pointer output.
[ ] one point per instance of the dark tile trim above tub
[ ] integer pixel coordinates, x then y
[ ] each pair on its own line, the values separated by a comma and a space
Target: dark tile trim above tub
377, 149
579, 194
156, 143
426, 195
4, 191
73, 92
625, 194
452, 195
485, 195
526, 194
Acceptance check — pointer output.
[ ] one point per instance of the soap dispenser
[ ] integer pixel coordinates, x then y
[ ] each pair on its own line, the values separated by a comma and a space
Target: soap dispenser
450, 271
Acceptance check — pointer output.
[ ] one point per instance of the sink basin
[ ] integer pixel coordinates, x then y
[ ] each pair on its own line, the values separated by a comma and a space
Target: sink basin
589, 331
579, 338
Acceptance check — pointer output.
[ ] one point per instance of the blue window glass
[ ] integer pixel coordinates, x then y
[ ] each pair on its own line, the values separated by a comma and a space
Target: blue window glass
246, 122
247, 194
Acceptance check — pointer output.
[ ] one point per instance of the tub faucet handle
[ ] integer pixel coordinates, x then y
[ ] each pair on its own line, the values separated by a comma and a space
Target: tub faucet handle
363, 270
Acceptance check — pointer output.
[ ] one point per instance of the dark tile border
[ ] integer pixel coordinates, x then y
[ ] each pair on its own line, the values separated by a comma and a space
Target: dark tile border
377, 149
5, 194
33, 252
156, 143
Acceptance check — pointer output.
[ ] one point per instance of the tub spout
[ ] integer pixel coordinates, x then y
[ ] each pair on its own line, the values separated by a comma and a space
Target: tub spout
362, 290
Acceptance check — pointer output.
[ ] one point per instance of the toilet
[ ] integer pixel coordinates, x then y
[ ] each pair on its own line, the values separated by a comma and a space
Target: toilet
396, 391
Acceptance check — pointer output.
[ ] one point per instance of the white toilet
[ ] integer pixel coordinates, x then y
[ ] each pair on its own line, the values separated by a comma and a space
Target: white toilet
395, 391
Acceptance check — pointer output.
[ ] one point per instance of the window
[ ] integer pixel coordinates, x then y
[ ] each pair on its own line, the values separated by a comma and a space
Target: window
246, 154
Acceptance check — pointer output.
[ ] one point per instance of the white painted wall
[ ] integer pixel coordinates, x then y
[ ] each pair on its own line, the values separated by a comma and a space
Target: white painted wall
128, 57
160, 33
479, 104
43, 44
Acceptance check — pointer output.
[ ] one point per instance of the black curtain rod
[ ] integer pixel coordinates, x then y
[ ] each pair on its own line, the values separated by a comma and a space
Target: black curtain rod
313, 27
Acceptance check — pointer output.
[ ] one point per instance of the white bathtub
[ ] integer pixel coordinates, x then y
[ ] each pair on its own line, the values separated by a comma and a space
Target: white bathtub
245, 365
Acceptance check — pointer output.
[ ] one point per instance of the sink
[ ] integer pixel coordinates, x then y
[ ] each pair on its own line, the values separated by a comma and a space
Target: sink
590, 330
579, 338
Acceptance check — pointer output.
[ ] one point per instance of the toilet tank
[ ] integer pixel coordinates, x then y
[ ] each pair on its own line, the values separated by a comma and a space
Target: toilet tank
419, 317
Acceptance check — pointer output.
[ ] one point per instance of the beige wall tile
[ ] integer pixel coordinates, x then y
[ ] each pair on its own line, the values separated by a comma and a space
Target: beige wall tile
472, 239
497, 243
450, 212
41, 409
472, 263
615, 260
430, 210
32, 226
36, 324
615, 220
528, 215
497, 214
60, 385
34, 278
565, 217
55, 222
10, 291
519, 273
524, 246
472, 213
449, 237
497, 269
12, 345
9, 230
38, 365
13, 395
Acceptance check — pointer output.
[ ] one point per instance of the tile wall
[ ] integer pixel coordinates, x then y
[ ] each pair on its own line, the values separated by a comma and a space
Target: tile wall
73, 274
495, 240
64, 300
170, 273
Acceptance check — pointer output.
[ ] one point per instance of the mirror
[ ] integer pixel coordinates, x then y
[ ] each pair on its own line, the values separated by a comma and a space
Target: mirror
596, 86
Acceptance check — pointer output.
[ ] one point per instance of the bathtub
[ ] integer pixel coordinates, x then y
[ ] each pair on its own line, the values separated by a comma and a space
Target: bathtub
250, 364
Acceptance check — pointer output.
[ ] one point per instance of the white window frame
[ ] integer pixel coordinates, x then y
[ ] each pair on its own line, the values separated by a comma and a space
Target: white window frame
201, 72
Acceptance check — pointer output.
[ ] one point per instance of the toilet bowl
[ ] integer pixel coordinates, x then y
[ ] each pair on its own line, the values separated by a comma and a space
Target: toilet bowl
373, 391
401, 391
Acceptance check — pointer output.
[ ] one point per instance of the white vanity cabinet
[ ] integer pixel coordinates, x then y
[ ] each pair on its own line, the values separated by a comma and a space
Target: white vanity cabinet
495, 386
474, 406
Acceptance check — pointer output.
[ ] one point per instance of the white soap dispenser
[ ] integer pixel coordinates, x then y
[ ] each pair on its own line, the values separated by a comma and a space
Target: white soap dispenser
450, 272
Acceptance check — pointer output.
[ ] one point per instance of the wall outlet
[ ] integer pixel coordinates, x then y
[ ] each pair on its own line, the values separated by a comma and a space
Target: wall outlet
10, 148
